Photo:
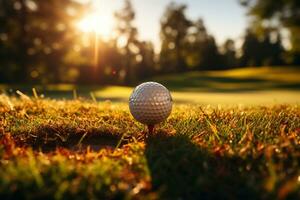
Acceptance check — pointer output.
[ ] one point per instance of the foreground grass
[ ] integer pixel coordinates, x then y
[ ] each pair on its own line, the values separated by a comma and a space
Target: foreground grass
72, 150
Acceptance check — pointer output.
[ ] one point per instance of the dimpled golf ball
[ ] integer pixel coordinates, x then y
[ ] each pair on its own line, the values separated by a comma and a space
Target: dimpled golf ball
150, 103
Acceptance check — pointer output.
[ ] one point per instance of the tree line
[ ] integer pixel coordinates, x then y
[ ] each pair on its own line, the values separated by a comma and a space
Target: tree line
39, 43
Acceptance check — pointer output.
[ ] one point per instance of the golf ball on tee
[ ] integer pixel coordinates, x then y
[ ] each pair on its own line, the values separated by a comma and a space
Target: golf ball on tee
150, 103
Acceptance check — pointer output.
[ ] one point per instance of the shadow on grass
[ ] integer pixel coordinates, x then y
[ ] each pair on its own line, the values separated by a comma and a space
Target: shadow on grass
50, 137
181, 170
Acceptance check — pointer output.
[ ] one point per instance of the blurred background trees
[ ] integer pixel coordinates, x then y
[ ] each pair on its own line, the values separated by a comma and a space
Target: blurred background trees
174, 30
265, 49
35, 36
279, 15
40, 43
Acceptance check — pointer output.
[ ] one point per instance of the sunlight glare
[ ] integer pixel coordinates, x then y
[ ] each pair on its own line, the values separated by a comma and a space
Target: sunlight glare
102, 25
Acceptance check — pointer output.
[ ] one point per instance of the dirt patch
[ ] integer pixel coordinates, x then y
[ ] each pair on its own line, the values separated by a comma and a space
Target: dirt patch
47, 138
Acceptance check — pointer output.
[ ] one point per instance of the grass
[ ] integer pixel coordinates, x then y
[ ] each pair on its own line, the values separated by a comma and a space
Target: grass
248, 86
66, 149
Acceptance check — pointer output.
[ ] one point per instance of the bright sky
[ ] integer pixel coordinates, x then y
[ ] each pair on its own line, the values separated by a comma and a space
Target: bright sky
223, 18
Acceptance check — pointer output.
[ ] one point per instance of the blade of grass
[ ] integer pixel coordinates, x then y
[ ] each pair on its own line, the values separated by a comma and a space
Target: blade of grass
93, 97
212, 126
81, 139
22, 95
35, 94
120, 141
75, 94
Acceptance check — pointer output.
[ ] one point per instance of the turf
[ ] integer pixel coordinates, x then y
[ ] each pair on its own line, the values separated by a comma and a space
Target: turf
79, 149
248, 86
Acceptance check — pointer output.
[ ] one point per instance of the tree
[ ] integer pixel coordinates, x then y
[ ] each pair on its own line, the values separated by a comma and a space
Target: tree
250, 48
54, 34
278, 51
13, 40
279, 13
37, 35
123, 59
202, 53
145, 60
211, 55
229, 54
127, 39
264, 50
271, 48
195, 42
174, 28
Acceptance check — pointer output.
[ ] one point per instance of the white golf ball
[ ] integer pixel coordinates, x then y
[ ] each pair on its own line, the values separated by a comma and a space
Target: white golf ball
150, 103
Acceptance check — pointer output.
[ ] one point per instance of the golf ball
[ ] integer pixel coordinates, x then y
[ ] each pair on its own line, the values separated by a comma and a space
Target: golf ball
150, 103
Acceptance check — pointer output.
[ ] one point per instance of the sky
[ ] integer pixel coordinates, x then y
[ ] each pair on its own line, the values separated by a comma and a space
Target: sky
223, 18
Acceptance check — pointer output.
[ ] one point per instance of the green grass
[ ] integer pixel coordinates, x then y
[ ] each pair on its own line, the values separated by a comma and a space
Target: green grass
247, 86
66, 149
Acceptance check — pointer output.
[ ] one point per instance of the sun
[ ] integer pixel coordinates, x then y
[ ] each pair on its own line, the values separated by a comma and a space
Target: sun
102, 25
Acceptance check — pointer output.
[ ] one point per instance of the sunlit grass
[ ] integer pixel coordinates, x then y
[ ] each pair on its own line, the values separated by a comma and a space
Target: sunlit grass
288, 74
120, 92
248, 86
